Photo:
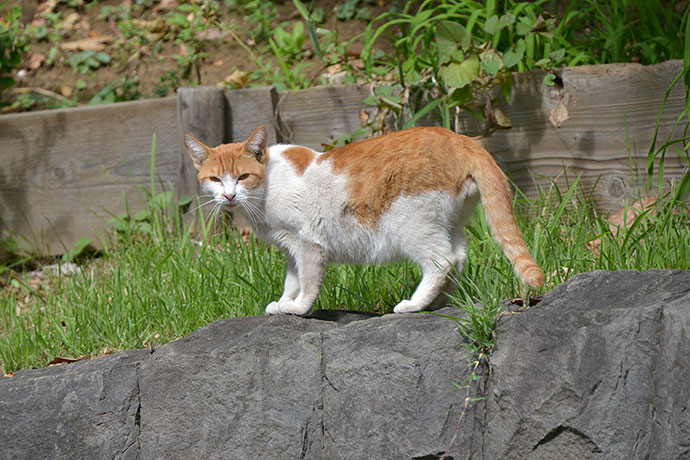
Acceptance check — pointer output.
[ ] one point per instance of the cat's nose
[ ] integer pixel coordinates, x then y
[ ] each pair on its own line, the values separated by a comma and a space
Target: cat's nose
229, 197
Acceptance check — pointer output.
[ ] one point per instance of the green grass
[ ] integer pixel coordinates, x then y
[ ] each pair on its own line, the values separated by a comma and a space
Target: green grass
165, 283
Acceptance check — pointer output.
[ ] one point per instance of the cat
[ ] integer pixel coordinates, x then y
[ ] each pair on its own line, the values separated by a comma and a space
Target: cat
405, 194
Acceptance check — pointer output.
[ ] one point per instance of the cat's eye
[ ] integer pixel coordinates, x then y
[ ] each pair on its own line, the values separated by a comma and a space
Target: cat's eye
215, 179
242, 177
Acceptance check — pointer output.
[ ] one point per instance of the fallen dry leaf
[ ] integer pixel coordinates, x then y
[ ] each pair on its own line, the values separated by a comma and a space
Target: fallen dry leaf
625, 218
237, 79
71, 20
165, 5
36, 59
9, 375
559, 114
211, 34
158, 25
93, 44
633, 211
65, 90
363, 116
38, 22
64, 359
46, 7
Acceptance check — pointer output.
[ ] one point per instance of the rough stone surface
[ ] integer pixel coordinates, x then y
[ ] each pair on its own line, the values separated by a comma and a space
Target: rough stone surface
259, 387
598, 370
88, 409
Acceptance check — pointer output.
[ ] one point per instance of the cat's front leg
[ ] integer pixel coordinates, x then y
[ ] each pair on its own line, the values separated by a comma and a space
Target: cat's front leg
311, 268
290, 289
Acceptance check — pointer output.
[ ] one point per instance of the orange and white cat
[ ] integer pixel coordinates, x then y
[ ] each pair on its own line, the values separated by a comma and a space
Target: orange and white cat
406, 194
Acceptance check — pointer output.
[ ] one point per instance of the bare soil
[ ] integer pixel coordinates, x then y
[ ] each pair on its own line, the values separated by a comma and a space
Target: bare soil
149, 66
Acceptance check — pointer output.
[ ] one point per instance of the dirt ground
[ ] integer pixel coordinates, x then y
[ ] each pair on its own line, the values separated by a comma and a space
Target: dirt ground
148, 65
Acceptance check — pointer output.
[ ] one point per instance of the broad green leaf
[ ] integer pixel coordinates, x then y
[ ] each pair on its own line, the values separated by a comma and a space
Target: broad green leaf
301, 8
78, 248
524, 26
491, 67
557, 55
371, 100
508, 19
460, 95
450, 36
493, 25
413, 77
460, 74
142, 215
491, 59
514, 55
458, 56
383, 90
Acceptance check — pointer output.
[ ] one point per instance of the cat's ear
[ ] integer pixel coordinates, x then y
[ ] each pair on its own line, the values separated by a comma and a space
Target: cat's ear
255, 145
198, 151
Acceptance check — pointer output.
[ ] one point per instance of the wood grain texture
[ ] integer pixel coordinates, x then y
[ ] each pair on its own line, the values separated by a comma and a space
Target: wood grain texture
612, 114
321, 115
246, 109
200, 113
61, 171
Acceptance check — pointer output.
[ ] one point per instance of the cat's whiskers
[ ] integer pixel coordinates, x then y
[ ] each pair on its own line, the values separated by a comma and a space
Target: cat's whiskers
253, 212
197, 207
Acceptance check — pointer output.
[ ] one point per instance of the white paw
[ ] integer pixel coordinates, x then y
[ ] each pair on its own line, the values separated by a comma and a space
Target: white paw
290, 307
273, 309
407, 307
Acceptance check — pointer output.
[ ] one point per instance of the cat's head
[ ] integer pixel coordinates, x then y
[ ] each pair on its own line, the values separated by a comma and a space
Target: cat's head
232, 173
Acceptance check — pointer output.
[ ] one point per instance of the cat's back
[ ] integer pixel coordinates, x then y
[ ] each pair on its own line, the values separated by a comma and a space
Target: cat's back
404, 163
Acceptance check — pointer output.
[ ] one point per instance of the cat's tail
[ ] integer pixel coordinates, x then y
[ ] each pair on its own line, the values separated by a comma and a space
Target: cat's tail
496, 199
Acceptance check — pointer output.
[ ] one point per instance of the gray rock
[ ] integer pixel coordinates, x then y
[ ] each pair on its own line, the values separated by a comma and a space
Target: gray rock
598, 370
290, 388
88, 409
280, 387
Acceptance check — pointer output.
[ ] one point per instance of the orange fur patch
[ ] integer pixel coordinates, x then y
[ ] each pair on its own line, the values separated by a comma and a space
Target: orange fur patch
300, 157
407, 162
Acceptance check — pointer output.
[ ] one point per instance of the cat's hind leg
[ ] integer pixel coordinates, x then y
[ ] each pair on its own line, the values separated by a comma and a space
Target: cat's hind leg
436, 259
459, 245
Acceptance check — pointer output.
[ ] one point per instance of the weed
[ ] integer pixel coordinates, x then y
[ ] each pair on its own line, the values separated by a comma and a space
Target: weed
88, 60
12, 43
351, 9
127, 89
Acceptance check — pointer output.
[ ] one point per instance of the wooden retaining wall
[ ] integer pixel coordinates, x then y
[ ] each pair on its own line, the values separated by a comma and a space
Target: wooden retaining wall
63, 172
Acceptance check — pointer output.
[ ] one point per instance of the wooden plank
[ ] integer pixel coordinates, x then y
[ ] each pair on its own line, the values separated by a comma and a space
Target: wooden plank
317, 116
613, 111
63, 171
200, 113
248, 108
